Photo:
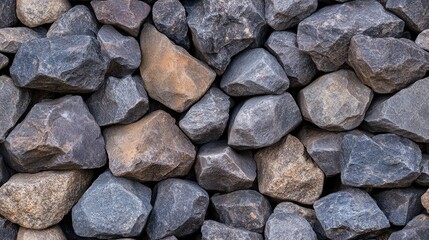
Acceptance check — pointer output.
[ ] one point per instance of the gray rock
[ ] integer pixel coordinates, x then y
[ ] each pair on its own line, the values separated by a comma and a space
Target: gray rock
180, 208
71, 64
326, 34
119, 100
221, 30
11, 39
216, 160
396, 64
8, 13
8, 230
281, 15
297, 64
4, 61
423, 179
416, 229
112, 207
283, 225
422, 40
349, 213
4, 172
414, 13
262, 121
56, 134
215, 230
206, 120
246, 209
254, 72
79, 20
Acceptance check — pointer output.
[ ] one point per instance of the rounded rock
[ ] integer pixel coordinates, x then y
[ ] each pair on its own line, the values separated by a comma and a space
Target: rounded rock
33, 13
52, 233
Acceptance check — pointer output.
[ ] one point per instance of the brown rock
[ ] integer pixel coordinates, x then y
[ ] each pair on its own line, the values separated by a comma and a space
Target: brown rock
33, 13
170, 74
425, 200
52, 233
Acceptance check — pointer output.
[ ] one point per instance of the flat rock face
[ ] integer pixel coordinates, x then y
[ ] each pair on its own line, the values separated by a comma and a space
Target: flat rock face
170, 74
215, 230
41, 200
220, 30
179, 209
423, 179
326, 34
415, 13
76, 21
8, 230
70, 64
263, 120
336, 101
282, 225
349, 213
286, 172
417, 229
398, 62
281, 15
8, 13
56, 134
33, 13
112, 207
11, 39
52, 233
422, 40
151, 149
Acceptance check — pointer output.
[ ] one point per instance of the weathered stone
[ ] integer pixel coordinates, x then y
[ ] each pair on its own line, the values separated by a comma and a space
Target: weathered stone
71, 64
221, 30
11, 39
41, 200
150, 149
52, 233
33, 13
254, 72
215, 230
119, 100
4, 172
8, 13
4, 61
170, 74
281, 15
425, 200
422, 40
415, 13
423, 179
416, 229
263, 120
8, 230
127, 15
326, 34
286, 172
349, 213
112, 207
76, 21
179, 209
282, 225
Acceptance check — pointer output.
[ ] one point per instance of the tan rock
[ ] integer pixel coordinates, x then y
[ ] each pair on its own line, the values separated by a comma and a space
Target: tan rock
170, 74
33, 13
425, 200
52, 233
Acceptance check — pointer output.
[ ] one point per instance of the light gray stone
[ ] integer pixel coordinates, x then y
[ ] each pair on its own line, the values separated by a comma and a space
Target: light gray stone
215, 230
422, 40
283, 225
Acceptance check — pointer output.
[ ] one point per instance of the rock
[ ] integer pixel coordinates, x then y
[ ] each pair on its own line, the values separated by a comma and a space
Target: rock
122, 52
262, 121
425, 200
179, 209
326, 34
8, 230
4, 172
254, 72
297, 64
286, 172
33, 13
4, 61
119, 100
281, 15
127, 15
79, 20
56, 134
221, 30
169, 17
112, 207
170, 74
423, 179
415, 14
422, 40
8, 13
11, 39
151, 149
282, 225
215, 230
206, 120
349, 213
41, 200
52, 233
398, 161
71, 64
416, 229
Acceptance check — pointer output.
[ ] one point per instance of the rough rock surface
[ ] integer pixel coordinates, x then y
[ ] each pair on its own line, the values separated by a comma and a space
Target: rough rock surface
4, 61
52, 233
8, 230
11, 39
283, 225
416, 229
33, 13
414, 13
215, 230
423, 179
422, 40
8, 13
425, 200
281, 15
79, 20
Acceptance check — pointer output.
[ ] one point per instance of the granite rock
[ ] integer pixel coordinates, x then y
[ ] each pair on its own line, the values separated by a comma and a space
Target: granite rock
422, 40
12, 38
416, 229
283, 225
423, 179
8, 230
415, 13
52, 233
8, 13
33, 13
281, 15
79, 20
215, 230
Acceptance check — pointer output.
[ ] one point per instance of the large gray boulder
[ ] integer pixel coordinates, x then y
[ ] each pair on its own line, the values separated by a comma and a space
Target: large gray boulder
281, 15
414, 13
283, 225
79, 20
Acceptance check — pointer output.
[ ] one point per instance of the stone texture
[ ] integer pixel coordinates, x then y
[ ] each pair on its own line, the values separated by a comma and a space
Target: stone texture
8, 230
254, 72
179, 209
422, 40
349, 213
150, 149
33, 13
170, 74
79, 20
425, 200
415, 13
56, 134
326, 34
4, 61
70, 64
263, 120
8, 13
282, 225
416, 229
41, 200
286, 172
119, 100
215, 230
4, 172
52, 233
423, 179
11, 39
281, 15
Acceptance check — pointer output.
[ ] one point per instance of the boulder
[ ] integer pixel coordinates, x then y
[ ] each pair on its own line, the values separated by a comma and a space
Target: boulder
416, 229
422, 40
79, 20
8, 13
415, 14
281, 15
215, 230
12, 38
33, 13
283, 225
52, 233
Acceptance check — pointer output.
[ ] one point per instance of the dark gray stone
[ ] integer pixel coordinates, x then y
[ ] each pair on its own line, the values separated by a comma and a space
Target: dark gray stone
112, 207
215, 230
4, 172
414, 13
8, 13
422, 40
56, 134
349, 213
4, 61
180, 208
11, 39
416, 229
8, 230
79, 20
423, 179
326, 34
283, 225
281, 15
119, 100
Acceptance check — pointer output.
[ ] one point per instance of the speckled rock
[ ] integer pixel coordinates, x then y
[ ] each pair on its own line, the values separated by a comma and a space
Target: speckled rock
52, 233
215, 230
281, 15
422, 40
425, 200
416, 229
11, 39
423, 179
33, 13
79, 20
415, 13
283, 225
8, 230
4, 61
8, 13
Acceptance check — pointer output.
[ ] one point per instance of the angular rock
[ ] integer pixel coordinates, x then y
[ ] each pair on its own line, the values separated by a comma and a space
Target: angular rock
415, 13
423, 179
282, 225
151, 149
79, 20
52, 233
41, 200
170, 74
33, 13
206, 120
4, 172
254, 72
8, 13
127, 15
422, 40
349, 213
215, 230
221, 30
425, 200
263, 120
286, 172
416, 229
179, 209
326, 34
8, 230
281, 15
70, 64
119, 100
11, 39
335, 101
4, 61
